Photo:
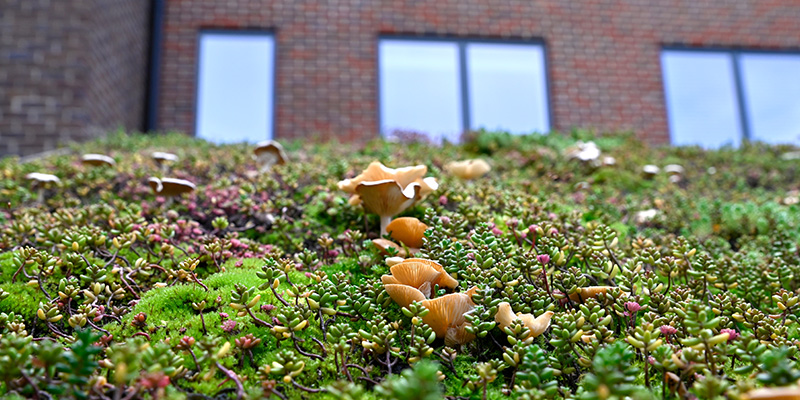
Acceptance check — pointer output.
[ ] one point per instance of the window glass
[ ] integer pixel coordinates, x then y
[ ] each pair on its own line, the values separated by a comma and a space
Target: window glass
507, 87
772, 85
235, 87
702, 106
419, 88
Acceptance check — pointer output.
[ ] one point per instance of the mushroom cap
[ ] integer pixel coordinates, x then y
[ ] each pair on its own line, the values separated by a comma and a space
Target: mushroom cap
589, 292
505, 315
387, 198
272, 148
42, 178
403, 295
644, 216
468, 169
536, 325
391, 261
674, 169
403, 176
650, 169
171, 186
774, 393
383, 245
161, 156
415, 274
447, 312
407, 230
608, 161
444, 280
584, 151
98, 160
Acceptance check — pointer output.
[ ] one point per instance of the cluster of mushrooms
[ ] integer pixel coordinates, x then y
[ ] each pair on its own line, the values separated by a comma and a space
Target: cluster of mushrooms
268, 153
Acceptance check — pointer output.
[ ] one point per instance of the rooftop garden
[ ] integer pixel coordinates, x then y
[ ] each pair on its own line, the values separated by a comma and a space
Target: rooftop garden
563, 266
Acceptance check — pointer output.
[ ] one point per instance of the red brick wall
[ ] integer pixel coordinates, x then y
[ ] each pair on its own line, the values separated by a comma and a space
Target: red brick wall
603, 55
70, 70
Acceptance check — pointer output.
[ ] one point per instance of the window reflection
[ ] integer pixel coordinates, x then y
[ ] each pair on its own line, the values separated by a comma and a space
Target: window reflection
772, 85
702, 106
507, 89
235, 87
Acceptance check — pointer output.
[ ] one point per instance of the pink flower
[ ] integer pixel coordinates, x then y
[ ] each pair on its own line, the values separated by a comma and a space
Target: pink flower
497, 232
668, 330
267, 307
442, 200
544, 259
229, 325
223, 315
444, 220
732, 334
239, 263
632, 307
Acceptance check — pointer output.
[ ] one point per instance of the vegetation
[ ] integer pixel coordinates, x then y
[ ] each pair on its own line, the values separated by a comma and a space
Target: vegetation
265, 281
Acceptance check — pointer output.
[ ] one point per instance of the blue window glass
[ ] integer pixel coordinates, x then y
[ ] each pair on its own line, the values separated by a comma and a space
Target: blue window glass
235, 86
772, 85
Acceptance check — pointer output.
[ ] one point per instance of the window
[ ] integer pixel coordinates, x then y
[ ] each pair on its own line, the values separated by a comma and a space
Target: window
235, 86
444, 87
723, 97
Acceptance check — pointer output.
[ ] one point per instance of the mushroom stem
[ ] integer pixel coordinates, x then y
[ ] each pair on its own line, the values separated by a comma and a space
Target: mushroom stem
385, 220
40, 195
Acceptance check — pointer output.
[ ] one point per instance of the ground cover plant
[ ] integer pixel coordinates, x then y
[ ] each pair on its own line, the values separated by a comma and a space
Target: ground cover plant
548, 267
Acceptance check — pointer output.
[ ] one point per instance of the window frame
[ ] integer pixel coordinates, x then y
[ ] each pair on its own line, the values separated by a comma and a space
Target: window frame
735, 55
271, 134
463, 70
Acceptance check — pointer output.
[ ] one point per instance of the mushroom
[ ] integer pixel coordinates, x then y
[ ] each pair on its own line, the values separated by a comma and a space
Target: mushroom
415, 274
170, 187
384, 245
392, 261
642, 217
609, 161
649, 171
674, 169
587, 152
774, 393
589, 292
403, 295
41, 182
97, 160
468, 169
407, 230
388, 191
537, 325
446, 317
164, 160
269, 153
421, 274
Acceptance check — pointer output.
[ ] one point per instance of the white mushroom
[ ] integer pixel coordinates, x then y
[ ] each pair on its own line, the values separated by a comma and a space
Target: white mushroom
97, 160
269, 153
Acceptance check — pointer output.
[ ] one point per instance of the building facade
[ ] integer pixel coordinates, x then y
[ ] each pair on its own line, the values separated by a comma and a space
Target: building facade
606, 65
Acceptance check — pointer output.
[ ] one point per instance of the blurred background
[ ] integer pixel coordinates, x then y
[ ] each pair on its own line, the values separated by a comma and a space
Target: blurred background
705, 72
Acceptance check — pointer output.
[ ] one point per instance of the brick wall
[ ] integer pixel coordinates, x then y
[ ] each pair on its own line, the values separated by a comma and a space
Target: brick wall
70, 70
603, 55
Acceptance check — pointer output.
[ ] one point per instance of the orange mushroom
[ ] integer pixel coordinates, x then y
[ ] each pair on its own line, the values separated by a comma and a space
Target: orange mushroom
774, 393
537, 325
384, 245
415, 274
468, 169
589, 292
444, 280
403, 295
446, 317
388, 191
407, 230
269, 153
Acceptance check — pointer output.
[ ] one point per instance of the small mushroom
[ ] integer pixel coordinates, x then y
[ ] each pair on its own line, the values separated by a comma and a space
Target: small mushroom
537, 325
649, 171
446, 317
403, 295
587, 152
388, 191
674, 169
170, 187
444, 280
645, 216
384, 245
609, 161
774, 393
392, 261
41, 182
269, 153
97, 160
589, 292
407, 230
468, 169
164, 160
415, 274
